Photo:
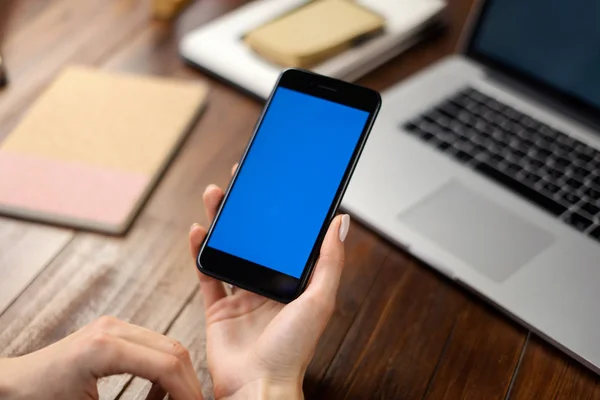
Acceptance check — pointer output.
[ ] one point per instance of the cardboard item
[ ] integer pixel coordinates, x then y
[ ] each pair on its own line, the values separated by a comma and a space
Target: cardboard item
314, 32
92, 147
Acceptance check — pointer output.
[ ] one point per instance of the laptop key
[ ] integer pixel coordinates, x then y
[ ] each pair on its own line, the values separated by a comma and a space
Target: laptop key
573, 184
462, 156
529, 178
534, 164
496, 159
523, 134
542, 153
590, 209
551, 187
500, 134
512, 113
568, 140
512, 169
466, 118
429, 118
410, 126
540, 142
520, 145
578, 172
478, 149
525, 120
528, 193
519, 155
585, 158
569, 197
443, 145
585, 149
561, 162
443, 120
578, 221
560, 136
476, 95
595, 233
450, 109
565, 147
426, 136
545, 130
593, 194
465, 145
460, 102
527, 143
594, 165
552, 174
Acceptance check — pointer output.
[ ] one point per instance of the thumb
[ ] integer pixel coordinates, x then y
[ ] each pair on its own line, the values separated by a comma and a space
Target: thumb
306, 317
328, 271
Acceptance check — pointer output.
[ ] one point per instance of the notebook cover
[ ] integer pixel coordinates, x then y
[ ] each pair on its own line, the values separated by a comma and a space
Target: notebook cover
313, 32
93, 146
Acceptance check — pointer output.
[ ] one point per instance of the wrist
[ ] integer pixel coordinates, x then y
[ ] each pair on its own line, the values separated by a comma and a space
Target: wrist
279, 390
267, 389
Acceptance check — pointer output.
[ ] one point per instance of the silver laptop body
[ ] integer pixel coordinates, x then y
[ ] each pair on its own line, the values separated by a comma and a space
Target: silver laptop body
526, 246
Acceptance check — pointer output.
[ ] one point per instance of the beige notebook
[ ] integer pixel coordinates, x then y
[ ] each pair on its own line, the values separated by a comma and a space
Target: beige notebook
93, 146
314, 32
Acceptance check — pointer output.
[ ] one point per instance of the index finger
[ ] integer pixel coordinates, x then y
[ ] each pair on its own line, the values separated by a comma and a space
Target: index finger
148, 338
108, 355
212, 289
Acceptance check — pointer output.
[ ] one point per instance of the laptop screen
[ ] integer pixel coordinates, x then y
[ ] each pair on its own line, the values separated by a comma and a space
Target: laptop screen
554, 43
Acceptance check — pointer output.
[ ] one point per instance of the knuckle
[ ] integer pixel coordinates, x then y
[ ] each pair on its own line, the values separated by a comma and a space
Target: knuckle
328, 258
323, 304
332, 260
179, 350
105, 323
99, 341
96, 344
329, 307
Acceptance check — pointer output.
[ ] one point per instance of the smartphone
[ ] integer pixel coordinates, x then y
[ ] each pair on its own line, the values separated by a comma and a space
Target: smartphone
268, 230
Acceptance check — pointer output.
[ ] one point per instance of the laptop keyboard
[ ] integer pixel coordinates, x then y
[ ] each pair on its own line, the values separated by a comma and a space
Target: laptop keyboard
544, 165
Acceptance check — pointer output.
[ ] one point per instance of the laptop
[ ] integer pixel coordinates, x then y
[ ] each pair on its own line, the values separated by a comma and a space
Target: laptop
486, 166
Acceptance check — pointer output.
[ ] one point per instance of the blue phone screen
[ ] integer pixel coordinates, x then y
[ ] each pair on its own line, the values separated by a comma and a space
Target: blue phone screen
288, 181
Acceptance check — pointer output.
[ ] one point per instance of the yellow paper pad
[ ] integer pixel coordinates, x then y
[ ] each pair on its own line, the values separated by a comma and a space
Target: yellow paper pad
314, 32
117, 121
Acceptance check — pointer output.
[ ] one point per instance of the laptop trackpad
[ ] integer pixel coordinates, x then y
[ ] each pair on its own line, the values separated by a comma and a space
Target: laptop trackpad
485, 235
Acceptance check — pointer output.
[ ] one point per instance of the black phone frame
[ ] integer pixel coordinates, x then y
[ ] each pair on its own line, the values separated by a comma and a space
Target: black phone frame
260, 279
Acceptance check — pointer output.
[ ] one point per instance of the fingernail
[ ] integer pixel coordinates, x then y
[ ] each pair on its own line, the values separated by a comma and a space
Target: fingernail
344, 227
193, 226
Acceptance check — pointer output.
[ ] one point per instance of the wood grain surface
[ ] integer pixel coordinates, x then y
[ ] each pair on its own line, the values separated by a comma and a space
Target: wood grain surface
400, 330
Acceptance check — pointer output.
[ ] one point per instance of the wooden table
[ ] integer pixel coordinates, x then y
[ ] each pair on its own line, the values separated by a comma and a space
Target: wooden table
400, 330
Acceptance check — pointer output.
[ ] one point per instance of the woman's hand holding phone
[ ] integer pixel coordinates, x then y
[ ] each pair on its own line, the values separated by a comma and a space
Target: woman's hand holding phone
257, 347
